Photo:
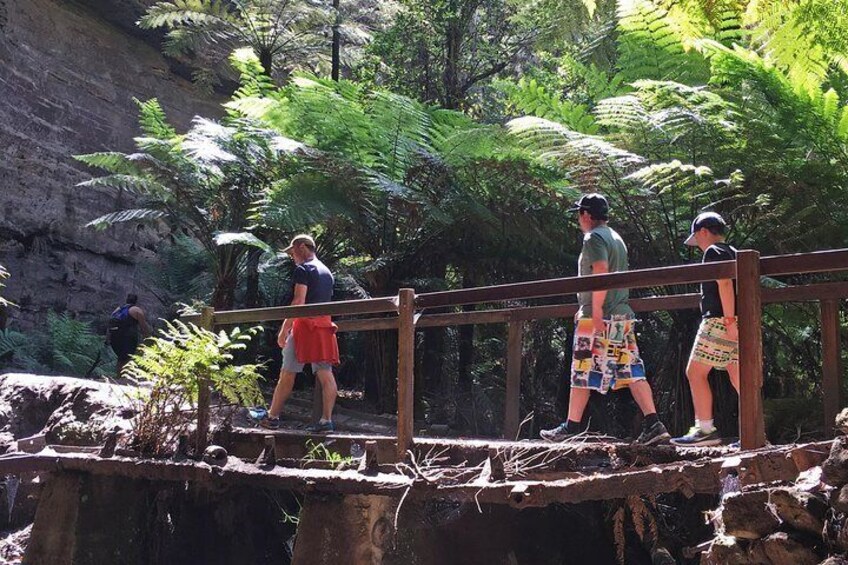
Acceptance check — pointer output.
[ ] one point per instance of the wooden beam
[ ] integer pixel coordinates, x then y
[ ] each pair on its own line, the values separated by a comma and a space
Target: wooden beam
406, 370
340, 308
831, 362
207, 322
829, 261
749, 311
513, 379
662, 276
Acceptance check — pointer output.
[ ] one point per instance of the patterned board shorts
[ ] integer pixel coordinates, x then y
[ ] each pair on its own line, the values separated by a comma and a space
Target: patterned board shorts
712, 346
608, 361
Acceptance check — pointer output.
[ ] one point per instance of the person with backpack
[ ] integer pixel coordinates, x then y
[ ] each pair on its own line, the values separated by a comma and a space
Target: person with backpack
123, 331
717, 342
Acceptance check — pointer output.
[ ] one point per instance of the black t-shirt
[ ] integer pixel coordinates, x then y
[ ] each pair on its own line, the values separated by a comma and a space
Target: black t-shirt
318, 280
710, 298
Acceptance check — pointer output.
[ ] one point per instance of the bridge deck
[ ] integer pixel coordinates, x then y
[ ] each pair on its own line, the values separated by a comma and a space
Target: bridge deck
517, 473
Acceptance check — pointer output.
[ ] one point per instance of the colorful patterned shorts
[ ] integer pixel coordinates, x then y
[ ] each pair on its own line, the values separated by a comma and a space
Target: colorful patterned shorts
712, 346
608, 361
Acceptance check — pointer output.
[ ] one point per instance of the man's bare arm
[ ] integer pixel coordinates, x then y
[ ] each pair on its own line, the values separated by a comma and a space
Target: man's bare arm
138, 314
298, 299
598, 296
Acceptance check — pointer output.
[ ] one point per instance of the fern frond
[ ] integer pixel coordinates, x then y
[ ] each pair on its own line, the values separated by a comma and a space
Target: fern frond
135, 215
129, 183
187, 12
152, 119
112, 162
530, 98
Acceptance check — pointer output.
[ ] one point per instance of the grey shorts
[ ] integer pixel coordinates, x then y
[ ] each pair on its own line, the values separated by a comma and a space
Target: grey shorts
291, 364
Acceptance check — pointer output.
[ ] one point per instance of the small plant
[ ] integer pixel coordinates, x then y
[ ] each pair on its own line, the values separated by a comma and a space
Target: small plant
174, 365
320, 452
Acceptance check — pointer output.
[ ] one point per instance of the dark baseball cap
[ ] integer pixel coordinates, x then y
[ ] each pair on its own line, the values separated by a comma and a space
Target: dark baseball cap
704, 220
594, 203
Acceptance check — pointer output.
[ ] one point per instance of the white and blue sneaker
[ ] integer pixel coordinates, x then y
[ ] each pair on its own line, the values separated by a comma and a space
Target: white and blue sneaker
696, 437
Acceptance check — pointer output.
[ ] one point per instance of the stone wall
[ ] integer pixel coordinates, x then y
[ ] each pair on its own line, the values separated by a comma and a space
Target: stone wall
68, 74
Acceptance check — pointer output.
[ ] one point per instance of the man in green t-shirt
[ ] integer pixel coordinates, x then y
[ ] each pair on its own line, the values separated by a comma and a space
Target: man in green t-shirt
605, 352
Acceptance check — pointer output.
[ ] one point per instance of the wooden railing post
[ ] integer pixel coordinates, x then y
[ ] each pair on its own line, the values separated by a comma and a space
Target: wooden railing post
406, 368
749, 311
207, 322
831, 362
513, 379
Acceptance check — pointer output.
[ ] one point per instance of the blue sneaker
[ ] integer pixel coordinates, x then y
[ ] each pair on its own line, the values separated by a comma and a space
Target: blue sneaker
321, 427
258, 412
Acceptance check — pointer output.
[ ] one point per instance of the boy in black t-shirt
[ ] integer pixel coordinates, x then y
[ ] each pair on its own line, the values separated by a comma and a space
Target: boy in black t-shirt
717, 343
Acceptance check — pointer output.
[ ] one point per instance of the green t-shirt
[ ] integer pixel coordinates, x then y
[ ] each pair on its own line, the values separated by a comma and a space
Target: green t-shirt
604, 244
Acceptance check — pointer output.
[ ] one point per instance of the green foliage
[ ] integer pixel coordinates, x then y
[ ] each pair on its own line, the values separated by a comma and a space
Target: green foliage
285, 33
319, 452
66, 346
203, 183
530, 98
174, 364
185, 354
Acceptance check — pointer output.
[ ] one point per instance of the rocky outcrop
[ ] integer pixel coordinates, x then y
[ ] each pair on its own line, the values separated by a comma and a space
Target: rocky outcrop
62, 409
68, 74
798, 524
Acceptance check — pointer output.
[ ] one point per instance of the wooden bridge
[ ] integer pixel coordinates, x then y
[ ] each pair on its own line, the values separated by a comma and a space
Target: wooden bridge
409, 311
363, 497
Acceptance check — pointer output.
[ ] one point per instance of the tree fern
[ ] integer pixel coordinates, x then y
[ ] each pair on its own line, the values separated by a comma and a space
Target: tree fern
530, 98
650, 46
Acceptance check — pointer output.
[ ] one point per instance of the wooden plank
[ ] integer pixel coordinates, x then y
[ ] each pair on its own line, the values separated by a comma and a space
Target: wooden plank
340, 308
749, 312
831, 362
207, 321
829, 261
662, 276
513, 379
406, 370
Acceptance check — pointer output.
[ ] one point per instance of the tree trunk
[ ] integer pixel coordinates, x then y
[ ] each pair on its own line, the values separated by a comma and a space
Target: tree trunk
252, 296
337, 42
266, 59
453, 44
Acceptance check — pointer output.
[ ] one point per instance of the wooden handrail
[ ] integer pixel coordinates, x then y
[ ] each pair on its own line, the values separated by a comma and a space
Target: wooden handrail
661, 276
816, 262
799, 293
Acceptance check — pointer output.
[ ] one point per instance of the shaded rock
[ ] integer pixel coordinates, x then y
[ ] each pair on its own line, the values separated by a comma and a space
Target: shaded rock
800, 510
66, 410
842, 421
730, 551
782, 549
839, 499
747, 515
67, 81
835, 467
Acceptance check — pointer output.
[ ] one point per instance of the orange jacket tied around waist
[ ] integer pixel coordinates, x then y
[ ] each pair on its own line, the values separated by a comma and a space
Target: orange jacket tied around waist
315, 340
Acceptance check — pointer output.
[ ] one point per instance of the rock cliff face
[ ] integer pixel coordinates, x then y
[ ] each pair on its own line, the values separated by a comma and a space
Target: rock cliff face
68, 74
